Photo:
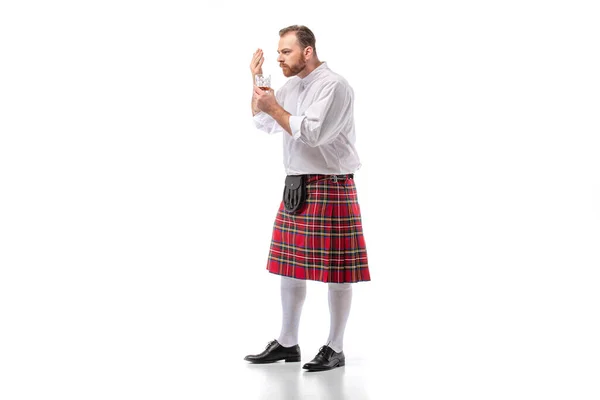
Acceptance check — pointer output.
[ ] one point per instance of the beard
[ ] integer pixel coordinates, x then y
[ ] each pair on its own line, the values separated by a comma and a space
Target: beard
293, 70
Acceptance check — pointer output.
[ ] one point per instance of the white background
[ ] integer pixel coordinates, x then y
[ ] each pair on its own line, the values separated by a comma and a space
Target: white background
137, 199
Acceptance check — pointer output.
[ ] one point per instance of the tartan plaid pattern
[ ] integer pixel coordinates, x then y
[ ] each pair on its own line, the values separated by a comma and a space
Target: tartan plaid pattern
325, 241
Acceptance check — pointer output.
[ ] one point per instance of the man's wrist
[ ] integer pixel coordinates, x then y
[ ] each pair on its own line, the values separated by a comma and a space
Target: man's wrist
274, 111
278, 112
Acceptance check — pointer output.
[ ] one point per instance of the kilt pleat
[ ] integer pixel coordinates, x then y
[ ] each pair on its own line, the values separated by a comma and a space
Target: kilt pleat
325, 241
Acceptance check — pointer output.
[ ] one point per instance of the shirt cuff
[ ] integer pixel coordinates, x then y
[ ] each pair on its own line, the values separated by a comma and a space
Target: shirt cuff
296, 125
260, 119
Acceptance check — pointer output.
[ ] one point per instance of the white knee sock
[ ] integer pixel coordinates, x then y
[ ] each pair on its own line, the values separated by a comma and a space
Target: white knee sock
340, 299
293, 293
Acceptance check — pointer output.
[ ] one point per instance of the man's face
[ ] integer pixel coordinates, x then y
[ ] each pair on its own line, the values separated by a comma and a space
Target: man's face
291, 57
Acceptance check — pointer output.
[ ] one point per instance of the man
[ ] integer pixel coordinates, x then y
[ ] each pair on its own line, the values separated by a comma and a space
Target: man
317, 235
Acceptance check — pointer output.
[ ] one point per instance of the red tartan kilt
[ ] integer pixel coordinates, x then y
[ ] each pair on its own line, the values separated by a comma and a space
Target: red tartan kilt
325, 241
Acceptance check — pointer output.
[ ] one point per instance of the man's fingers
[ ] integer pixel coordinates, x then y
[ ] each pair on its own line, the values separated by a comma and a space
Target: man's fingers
258, 92
257, 61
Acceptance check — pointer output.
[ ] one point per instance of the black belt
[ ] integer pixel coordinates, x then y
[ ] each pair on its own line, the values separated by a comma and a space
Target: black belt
312, 178
309, 178
345, 176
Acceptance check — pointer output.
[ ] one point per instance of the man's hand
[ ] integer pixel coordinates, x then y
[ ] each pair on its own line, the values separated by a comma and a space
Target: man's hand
256, 63
256, 68
265, 100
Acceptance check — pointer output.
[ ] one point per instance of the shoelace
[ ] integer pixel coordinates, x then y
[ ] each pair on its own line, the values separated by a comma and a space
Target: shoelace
271, 343
323, 351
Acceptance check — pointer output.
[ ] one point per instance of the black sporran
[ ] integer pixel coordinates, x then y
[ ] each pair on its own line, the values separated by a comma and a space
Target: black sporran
294, 193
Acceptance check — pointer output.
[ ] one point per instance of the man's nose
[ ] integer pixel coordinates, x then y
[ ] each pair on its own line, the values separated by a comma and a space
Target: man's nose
280, 59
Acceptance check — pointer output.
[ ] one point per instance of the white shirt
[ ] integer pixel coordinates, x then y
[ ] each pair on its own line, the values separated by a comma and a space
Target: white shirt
322, 123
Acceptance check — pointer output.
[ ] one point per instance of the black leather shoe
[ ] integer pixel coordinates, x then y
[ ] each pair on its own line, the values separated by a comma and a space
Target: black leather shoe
275, 352
326, 359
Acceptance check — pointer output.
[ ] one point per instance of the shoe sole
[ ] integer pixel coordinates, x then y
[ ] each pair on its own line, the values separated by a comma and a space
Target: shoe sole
318, 369
290, 359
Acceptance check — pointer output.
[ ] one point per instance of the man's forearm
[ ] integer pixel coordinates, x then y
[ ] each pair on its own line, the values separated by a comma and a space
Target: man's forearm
253, 106
282, 117
253, 103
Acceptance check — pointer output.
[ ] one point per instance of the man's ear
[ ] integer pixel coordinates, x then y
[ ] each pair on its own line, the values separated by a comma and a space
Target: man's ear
308, 51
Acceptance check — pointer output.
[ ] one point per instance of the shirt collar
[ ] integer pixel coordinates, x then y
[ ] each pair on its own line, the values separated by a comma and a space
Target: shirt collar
314, 74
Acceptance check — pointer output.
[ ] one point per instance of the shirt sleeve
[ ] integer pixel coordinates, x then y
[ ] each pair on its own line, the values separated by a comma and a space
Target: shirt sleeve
325, 118
266, 123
